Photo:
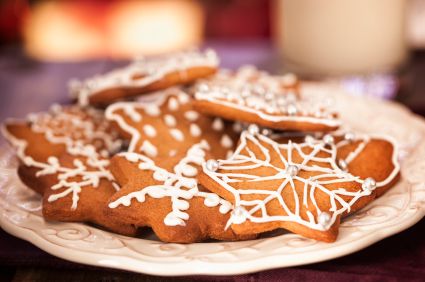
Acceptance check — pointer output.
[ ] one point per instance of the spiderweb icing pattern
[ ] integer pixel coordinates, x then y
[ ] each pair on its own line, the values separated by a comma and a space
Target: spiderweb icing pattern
317, 157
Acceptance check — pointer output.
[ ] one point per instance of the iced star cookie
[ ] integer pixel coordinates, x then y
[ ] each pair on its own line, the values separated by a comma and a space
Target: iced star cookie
173, 205
65, 157
168, 141
165, 126
303, 187
144, 76
252, 96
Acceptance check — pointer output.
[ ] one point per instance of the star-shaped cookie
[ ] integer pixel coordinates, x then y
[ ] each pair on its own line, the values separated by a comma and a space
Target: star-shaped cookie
65, 156
168, 142
303, 187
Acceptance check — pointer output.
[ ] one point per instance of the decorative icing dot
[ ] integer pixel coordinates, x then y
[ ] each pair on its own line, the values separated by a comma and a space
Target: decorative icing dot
237, 127
170, 120
153, 110
133, 114
281, 101
218, 124
289, 79
173, 105
195, 131
191, 115
212, 165
291, 97
369, 184
292, 170
349, 136
177, 134
328, 139
149, 130
238, 215
183, 98
203, 87
132, 157
226, 141
309, 140
291, 110
324, 219
266, 132
55, 108
253, 129
149, 149
172, 153
189, 171
269, 96
212, 200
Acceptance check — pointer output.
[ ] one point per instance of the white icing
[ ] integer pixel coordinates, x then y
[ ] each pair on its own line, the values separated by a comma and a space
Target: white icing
151, 70
251, 91
60, 127
149, 149
150, 107
328, 172
183, 98
191, 115
152, 110
177, 134
218, 124
149, 130
172, 153
170, 120
195, 130
237, 127
134, 115
226, 141
177, 185
173, 104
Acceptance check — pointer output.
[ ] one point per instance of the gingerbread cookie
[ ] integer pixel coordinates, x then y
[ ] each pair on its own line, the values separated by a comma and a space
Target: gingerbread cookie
303, 187
166, 125
144, 76
253, 96
66, 153
176, 208
168, 141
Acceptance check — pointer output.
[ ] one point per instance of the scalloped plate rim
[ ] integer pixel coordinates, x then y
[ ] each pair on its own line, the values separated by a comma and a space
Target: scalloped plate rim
199, 267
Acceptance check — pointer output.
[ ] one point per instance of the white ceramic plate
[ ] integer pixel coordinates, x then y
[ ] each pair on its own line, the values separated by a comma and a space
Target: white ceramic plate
400, 208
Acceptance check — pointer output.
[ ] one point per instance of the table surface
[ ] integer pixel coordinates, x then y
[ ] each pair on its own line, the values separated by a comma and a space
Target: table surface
30, 86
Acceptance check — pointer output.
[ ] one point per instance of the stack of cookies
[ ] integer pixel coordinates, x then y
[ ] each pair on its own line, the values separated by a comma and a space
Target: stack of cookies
195, 152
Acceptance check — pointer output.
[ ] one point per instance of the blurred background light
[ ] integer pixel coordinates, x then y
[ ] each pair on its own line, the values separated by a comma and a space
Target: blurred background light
79, 30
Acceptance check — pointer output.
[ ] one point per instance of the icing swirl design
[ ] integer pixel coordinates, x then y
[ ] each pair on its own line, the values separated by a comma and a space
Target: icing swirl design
179, 185
77, 130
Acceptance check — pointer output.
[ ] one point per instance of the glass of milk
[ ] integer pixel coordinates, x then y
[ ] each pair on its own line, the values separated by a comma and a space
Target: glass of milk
339, 37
